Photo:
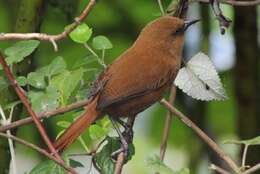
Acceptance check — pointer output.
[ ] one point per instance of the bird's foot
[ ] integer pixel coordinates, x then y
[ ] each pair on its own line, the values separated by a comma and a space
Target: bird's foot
124, 149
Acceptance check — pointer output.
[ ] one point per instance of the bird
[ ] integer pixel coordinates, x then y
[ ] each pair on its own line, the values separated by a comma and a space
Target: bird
137, 79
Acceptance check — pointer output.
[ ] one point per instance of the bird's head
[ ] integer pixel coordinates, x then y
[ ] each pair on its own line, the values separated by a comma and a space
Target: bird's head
166, 31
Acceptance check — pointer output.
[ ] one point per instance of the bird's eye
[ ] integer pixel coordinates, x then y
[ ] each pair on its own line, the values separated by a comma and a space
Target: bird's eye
180, 30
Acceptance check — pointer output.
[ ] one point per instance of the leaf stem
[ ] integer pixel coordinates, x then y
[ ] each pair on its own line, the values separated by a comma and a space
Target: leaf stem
103, 56
83, 144
244, 156
95, 54
161, 7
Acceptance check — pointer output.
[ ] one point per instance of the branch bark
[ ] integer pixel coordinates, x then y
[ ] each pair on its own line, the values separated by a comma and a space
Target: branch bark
252, 169
40, 150
202, 135
44, 115
48, 37
26, 103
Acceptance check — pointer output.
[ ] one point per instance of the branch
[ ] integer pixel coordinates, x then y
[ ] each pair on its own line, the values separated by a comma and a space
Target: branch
218, 169
47, 37
233, 2
40, 150
26, 103
167, 124
119, 163
44, 115
121, 156
224, 22
252, 169
202, 135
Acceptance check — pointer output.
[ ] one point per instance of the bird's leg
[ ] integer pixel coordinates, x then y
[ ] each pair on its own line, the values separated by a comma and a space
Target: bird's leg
128, 132
124, 147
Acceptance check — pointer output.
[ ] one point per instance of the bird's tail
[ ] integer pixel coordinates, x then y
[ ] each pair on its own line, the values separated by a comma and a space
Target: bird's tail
77, 127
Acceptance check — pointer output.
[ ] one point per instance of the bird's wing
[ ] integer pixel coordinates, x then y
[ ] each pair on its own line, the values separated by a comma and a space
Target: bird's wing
131, 77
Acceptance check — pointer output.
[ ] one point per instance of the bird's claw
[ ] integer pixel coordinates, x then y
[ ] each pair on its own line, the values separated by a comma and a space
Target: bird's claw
124, 149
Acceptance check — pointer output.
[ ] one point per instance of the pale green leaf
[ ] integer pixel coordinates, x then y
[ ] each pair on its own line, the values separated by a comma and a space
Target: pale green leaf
37, 80
56, 66
157, 165
66, 83
96, 132
253, 141
81, 33
20, 50
44, 101
101, 43
48, 167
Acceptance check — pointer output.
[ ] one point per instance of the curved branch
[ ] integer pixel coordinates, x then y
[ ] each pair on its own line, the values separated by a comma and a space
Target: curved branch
252, 169
40, 150
202, 135
47, 37
44, 115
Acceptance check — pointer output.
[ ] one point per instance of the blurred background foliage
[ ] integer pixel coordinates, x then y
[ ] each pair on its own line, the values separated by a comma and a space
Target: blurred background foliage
235, 54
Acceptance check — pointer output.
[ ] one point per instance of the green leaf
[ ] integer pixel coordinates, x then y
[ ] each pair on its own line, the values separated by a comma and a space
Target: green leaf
44, 101
21, 80
20, 50
63, 124
103, 158
248, 142
47, 167
96, 132
73, 163
157, 165
57, 66
101, 43
105, 123
66, 83
81, 34
84, 61
37, 80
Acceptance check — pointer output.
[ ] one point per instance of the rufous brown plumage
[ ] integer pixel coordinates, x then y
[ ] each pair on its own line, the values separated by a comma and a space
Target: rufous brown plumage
136, 79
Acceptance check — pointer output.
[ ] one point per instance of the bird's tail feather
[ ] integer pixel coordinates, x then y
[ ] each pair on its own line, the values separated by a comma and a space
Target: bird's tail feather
77, 127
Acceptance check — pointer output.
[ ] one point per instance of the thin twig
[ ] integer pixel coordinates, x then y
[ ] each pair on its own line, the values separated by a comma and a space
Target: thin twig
244, 156
26, 103
121, 155
202, 135
40, 150
10, 141
167, 124
224, 22
252, 169
45, 115
218, 169
47, 37
233, 2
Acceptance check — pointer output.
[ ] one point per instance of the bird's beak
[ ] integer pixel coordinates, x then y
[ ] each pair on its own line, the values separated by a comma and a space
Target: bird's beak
187, 24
